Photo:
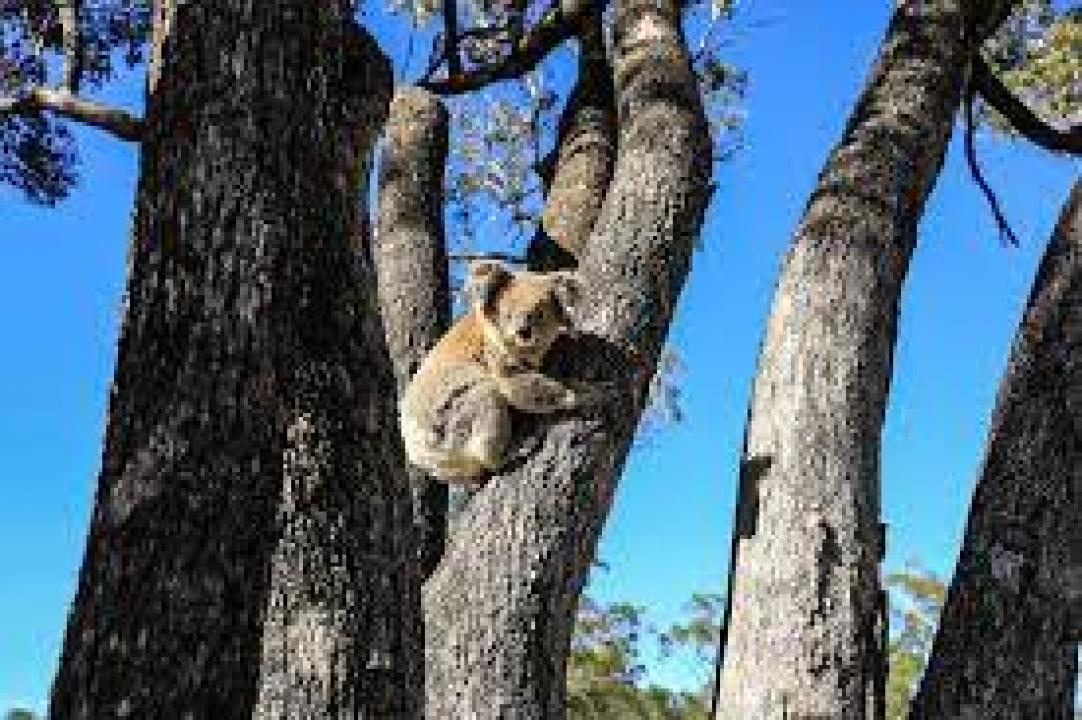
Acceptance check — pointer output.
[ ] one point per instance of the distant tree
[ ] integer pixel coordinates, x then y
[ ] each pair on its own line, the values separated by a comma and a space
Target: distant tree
916, 598
20, 714
605, 668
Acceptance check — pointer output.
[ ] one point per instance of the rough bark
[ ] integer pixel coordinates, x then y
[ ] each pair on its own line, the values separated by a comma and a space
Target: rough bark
583, 159
250, 543
499, 609
411, 258
804, 630
1008, 638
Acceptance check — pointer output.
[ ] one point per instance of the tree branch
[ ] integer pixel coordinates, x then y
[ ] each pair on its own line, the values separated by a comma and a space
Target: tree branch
1006, 641
584, 157
500, 606
411, 263
557, 26
115, 121
1024, 121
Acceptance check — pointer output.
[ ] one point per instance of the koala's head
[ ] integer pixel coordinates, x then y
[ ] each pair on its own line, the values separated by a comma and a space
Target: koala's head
526, 311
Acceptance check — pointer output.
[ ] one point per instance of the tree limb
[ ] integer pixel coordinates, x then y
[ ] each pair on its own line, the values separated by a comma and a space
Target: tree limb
1021, 118
411, 263
585, 153
557, 26
113, 120
1006, 641
500, 606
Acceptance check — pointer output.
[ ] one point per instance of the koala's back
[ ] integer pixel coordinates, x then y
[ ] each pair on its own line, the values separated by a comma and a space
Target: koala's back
451, 368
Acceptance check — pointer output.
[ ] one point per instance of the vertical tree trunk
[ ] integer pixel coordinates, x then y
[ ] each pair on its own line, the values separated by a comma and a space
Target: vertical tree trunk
1007, 642
250, 545
500, 607
411, 258
804, 629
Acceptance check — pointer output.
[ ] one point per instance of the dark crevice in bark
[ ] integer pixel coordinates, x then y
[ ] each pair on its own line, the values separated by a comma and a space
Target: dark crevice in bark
500, 607
245, 556
1006, 646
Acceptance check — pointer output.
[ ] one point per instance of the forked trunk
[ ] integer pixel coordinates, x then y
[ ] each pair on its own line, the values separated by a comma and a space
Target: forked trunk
500, 607
250, 547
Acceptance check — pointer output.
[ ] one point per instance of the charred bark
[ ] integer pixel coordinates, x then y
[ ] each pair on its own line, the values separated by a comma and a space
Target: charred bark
250, 545
499, 608
803, 631
411, 258
1008, 637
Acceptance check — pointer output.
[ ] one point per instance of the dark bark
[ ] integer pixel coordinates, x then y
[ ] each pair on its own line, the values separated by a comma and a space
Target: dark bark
411, 259
500, 607
804, 630
1008, 638
251, 533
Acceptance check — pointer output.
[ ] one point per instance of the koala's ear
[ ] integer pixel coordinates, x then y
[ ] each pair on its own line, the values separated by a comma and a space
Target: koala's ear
567, 287
484, 282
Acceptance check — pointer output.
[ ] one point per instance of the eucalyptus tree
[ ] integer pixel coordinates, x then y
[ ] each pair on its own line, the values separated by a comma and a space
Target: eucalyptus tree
805, 631
256, 548
1007, 644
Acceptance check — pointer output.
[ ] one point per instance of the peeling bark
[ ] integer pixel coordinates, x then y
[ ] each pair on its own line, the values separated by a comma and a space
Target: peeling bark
805, 627
1008, 638
250, 544
411, 258
500, 607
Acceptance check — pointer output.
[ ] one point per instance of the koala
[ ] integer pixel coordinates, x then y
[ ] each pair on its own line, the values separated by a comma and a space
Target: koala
456, 411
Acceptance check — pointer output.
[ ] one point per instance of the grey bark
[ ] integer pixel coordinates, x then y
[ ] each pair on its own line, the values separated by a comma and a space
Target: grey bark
1008, 637
411, 260
804, 630
250, 544
582, 163
500, 607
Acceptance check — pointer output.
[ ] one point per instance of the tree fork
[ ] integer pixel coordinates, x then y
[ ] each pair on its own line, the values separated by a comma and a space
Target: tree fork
500, 607
250, 549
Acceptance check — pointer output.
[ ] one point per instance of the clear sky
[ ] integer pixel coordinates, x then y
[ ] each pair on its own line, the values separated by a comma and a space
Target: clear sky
62, 272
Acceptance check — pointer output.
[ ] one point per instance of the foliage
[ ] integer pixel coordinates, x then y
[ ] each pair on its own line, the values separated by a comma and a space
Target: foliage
606, 668
1038, 53
19, 714
916, 598
605, 673
37, 153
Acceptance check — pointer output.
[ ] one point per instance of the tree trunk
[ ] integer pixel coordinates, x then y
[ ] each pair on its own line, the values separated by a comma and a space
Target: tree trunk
1007, 642
500, 607
411, 258
804, 630
250, 545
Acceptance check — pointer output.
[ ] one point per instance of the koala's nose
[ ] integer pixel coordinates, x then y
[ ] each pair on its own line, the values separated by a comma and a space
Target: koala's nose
524, 331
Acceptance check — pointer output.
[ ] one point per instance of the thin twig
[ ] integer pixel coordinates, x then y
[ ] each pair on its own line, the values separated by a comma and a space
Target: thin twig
1005, 230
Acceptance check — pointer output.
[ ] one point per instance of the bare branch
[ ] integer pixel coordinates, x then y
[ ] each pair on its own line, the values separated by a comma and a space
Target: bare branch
116, 121
556, 27
1024, 121
411, 264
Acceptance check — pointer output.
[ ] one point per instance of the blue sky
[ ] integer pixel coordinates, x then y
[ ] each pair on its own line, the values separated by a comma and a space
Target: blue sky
62, 271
